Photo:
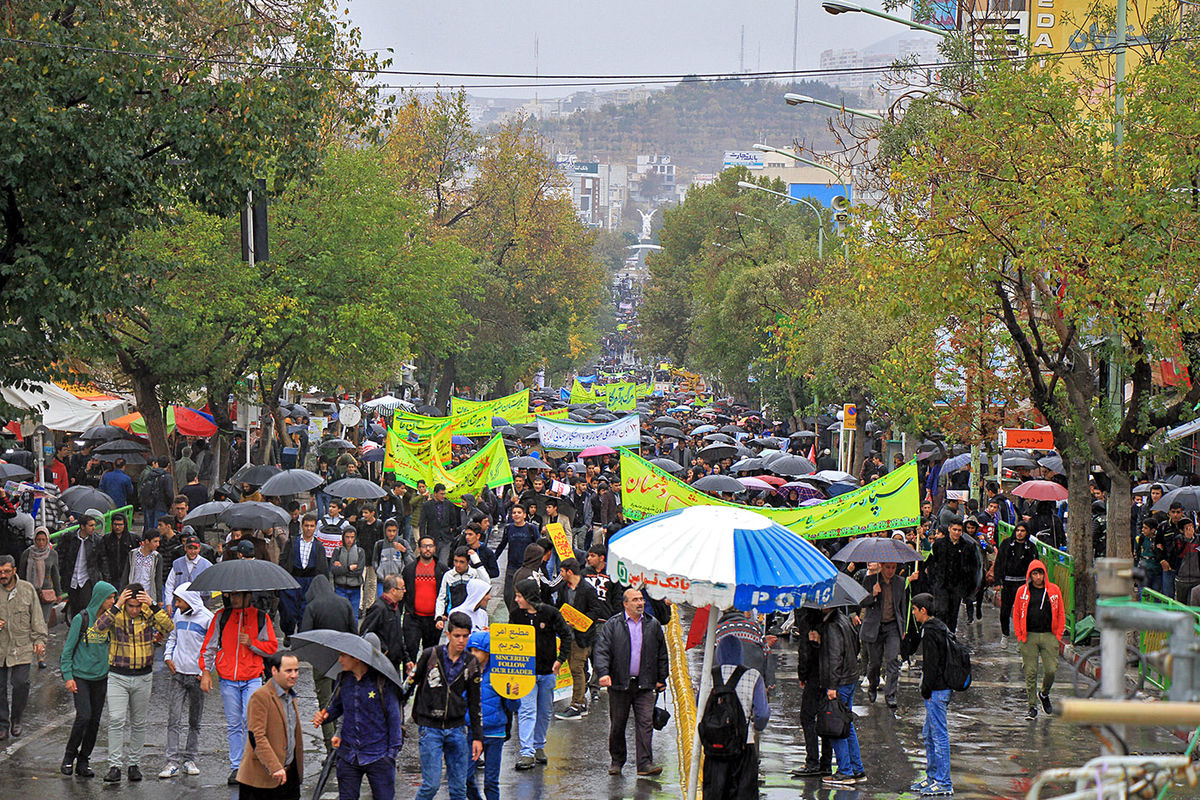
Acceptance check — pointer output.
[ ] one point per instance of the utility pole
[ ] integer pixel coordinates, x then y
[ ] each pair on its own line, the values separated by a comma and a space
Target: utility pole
795, 38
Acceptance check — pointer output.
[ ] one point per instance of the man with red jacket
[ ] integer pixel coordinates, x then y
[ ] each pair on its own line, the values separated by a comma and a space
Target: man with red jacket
1039, 619
237, 639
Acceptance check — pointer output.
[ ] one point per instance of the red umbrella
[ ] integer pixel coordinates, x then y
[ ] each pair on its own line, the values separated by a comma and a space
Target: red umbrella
1041, 490
597, 450
774, 480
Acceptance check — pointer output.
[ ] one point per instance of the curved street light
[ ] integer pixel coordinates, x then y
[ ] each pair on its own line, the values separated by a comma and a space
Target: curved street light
766, 148
841, 7
793, 99
820, 219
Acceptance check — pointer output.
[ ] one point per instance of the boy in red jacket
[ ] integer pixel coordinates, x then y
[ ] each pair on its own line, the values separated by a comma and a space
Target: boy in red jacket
1039, 620
237, 639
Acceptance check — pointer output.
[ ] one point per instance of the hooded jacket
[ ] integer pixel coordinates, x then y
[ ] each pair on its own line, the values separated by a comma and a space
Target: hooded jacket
935, 648
348, 556
839, 651
444, 704
233, 660
325, 609
531, 564
1052, 595
549, 627
387, 622
476, 590
1013, 558
186, 641
85, 652
495, 709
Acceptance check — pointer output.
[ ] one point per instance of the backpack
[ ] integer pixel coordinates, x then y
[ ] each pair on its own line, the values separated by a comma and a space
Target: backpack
148, 490
958, 664
723, 728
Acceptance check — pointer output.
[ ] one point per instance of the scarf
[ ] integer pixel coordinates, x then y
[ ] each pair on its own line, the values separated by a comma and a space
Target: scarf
36, 569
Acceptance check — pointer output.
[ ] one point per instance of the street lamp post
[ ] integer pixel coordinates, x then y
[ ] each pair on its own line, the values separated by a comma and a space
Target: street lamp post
793, 99
840, 7
766, 148
820, 221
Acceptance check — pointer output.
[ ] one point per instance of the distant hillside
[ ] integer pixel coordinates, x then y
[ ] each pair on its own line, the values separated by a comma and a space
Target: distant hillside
696, 121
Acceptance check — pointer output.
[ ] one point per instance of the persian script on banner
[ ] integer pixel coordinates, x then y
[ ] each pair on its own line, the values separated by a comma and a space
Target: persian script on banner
575, 436
476, 415
893, 501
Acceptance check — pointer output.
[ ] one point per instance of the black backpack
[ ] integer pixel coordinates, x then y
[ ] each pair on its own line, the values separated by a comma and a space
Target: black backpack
722, 726
958, 664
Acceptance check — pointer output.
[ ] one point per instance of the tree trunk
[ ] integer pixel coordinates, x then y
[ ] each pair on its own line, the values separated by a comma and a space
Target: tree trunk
446, 384
1079, 534
1120, 510
218, 406
145, 389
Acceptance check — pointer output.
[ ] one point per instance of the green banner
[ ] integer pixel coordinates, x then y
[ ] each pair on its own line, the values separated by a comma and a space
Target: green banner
488, 467
582, 394
475, 416
407, 459
621, 396
893, 501
643, 390
415, 426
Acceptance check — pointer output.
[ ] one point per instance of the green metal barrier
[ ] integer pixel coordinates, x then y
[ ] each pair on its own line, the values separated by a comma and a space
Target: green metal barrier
125, 511
1060, 569
1149, 641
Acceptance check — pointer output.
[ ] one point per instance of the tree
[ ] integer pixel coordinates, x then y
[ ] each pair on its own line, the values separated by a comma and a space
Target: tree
117, 112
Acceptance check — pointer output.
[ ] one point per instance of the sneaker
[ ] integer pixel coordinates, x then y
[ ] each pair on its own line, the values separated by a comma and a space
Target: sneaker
525, 762
539, 756
135, 774
571, 712
232, 779
113, 775
83, 770
1032, 714
860, 777
935, 789
1003, 641
1045, 698
650, 769
583, 710
839, 779
873, 695
920, 785
810, 771
190, 768
169, 771
67, 767
893, 705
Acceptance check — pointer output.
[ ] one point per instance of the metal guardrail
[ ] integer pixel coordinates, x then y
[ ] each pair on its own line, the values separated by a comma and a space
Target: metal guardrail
1152, 641
125, 511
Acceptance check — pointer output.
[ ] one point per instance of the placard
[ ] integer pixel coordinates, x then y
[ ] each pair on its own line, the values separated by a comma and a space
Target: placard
576, 618
512, 665
562, 542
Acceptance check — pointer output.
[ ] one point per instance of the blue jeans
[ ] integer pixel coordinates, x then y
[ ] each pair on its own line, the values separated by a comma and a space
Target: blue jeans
151, 516
1168, 582
849, 759
381, 777
354, 595
533, 719
451, 746
322, 500
493, 748
235, 697
937, 738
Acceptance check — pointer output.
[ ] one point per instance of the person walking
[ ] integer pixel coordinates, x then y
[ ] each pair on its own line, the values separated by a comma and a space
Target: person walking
495, 712
838, 662
237, 639
146, 568
369, 533
580, 597
953, 570
272, 764
818, 754
117, 484
39, 566
392, 554
347, 568
736, 778
446, 707
114, 546
631, 661
1039, 619
385, 619
84, 666
1013, 557
421, 581
517, 537
80, 557
440, 519
371, 735
134, 623
1187, 560
326, 610
306, 560
884, 619
182, 658
156, 492
22, 636
537, 707
934, 642
187, 567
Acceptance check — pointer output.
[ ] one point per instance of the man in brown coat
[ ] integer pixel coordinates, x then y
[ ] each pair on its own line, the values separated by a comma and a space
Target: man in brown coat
273, 763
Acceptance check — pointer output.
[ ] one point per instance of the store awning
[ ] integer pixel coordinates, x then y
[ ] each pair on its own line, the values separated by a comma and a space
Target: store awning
61, 410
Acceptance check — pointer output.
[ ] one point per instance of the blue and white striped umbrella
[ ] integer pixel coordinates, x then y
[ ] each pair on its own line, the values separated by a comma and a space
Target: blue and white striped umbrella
721, 556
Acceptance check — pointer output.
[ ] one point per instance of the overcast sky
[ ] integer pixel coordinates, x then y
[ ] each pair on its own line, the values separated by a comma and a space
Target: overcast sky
608, 37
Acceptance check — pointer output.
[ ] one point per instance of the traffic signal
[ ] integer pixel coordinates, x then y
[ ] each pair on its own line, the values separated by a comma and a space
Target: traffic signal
841, 209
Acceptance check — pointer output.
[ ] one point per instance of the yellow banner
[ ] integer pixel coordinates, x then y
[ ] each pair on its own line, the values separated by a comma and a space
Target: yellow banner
562, 542
476, 415
487, 468
512, 669
552, 413
576, 618
643, 390
408, 459
621, 396
893, 501
415, 426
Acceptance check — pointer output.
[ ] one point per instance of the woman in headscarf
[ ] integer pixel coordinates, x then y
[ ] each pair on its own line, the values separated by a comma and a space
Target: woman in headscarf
39, 566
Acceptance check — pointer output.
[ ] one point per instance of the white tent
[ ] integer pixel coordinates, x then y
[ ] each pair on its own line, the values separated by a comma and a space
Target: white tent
60, 410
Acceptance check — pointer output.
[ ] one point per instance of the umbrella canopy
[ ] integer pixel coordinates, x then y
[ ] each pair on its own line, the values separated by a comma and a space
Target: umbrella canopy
732, 430
883, 549
715, 452
578, 466
722, 556
132, 459
244, 575
336, 444
773, 480
747, 465
667, 465
719, 483
254, 516
846, 592
1014, 461
597, 450
207, 513
121, 446
291, 481
15, 472
719, 437
1053, 463
80, 498
458, 438
803, 435
188, 421
1188, 495
803, 491
674, 433
670, 422
376, 455
841, 487
700, 430
321, 648
527, 462
755, 483
1044, 490
507, 431
255, 474
103, 433
791, 466
835, 476
955, 463
358, 488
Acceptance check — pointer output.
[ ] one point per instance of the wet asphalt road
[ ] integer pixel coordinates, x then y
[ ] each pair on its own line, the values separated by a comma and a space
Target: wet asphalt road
995, 752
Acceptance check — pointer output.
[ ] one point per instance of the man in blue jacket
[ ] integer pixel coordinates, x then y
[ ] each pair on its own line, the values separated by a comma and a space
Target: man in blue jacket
495, 710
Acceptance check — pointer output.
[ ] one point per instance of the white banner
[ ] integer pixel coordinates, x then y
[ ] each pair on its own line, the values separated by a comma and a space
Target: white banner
625, 432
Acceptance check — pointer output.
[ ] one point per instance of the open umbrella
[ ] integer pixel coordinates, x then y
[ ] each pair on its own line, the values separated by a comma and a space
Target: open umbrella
291, 481
700, 430
244, 575
876, 548
597, 450
746, 465
719, 557
103, 433
80, 498
207, 513
1045, 490
955, 463
15, 472
669, 422
121, 446
1188, 495
255, 474
755, 483
667, 465
835, 476
336, 444
322, 647
132, 459
674, 433
527, 462
358, 488
791, 466
458, 438
846, 592
719, 437
773, 480
719, 483
803, 491
715, 452
254, 516
732, 430
1053, 463
803, 435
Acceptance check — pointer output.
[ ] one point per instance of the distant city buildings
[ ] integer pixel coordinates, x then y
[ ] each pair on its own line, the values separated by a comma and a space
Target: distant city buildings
865, 71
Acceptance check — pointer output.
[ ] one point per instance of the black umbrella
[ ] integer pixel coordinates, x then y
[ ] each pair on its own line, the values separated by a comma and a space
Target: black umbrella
719, 483
340, 444
666, 422
791, 466
715, 452
429, 411
80, 498
132, 459
747, 465
803, 435
244, 575
298, 411
291, 481
1052, 463
531, 437
528, 462
375, 455
255, 474
731, 429
667, 465
719, 437
121, 446
322, 647
882, 549
358, 488
255, 516
327, 768
207, 513
506, 430
846, 592
103, 433
674, 433
15, 472
1188, 495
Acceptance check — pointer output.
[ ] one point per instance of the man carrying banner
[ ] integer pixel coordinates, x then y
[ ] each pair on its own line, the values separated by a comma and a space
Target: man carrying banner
581, 608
